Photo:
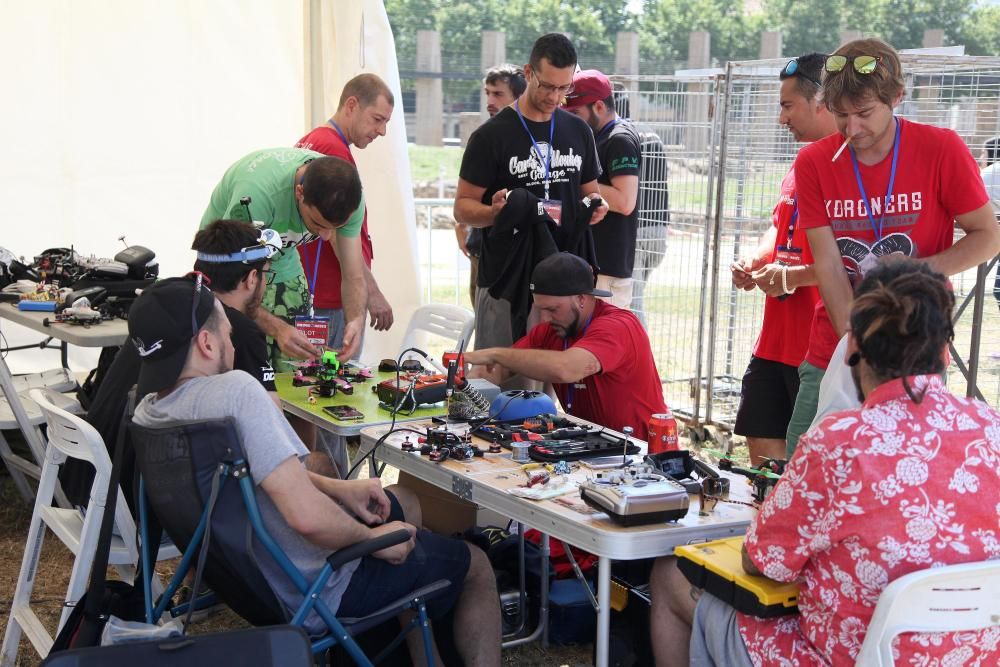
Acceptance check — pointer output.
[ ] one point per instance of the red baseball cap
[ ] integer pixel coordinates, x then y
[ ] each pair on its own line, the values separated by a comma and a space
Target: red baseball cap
589, 86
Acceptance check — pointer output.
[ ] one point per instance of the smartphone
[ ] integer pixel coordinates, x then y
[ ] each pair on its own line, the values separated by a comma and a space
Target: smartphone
344, 413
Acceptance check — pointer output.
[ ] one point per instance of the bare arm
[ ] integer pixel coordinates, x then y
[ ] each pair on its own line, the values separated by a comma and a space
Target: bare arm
748, 565
314, 514
378, 306
622, 194
768, 278
353, 291
462, 236
742, 268
469, 207
831, 276
565, 366
291, 341
980, 243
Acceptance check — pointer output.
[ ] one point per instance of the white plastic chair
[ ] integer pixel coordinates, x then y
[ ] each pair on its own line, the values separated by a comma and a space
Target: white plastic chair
453, 323
69, 436
941, 599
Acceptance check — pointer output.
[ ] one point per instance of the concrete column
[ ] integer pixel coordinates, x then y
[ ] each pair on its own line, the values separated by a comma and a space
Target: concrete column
933, 37
430, 97
849, 36
699, 57
492, 52
699, 49
770, 44
627, 65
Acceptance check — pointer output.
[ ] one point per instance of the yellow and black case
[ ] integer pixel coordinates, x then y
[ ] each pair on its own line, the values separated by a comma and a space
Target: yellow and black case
717, 567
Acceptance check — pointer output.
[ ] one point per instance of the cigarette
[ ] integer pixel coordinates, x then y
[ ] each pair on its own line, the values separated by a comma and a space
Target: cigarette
841, 149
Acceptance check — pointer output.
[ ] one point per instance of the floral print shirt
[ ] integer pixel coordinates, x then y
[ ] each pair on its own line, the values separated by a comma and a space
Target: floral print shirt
871, 495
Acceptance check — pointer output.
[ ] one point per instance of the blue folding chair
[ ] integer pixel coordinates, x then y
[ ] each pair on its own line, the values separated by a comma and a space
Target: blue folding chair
187, 474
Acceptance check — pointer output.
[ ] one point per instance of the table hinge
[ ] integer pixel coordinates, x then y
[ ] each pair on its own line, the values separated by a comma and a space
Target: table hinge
461, 488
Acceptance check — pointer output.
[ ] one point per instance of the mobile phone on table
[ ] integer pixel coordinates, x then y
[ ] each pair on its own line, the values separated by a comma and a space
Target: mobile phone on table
344, 413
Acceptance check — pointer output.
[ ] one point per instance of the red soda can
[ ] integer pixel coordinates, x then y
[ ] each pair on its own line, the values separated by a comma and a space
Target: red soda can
662, 432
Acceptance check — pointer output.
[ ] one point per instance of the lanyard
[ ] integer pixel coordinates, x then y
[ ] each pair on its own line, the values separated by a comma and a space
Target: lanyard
548, 157
791, 223
571, 387
340, 132
315, 276
888, 194
607, 128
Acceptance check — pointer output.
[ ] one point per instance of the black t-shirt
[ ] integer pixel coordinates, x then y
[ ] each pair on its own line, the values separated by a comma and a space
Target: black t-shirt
500, 155
620, 153
251, 348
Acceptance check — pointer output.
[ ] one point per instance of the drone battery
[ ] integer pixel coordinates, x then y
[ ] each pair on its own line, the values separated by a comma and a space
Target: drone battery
37, 306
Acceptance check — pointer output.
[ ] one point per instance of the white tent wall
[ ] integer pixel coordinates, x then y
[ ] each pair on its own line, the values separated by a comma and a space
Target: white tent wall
120, 117
347, 39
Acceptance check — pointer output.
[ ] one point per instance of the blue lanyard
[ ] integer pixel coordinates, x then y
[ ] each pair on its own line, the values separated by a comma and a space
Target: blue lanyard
548, 158
607, 128
315, 275
337, 128
888, 194
571, 387
791, 223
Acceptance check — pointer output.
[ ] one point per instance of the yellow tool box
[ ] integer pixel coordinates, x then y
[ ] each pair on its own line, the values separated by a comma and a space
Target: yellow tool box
717, 567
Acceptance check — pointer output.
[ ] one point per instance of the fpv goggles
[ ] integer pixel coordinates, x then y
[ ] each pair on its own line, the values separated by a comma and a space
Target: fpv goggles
267, 246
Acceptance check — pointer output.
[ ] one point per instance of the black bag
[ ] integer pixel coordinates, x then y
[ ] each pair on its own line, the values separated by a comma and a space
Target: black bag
275, 645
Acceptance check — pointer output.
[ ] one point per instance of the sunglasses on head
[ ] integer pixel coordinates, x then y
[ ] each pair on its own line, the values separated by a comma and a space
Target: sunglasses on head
792, 69
862, 64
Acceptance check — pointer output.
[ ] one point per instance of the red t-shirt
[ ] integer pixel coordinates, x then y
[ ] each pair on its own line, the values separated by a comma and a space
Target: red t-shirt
871, 495
784, 336
324, 139
627, 391
937, 179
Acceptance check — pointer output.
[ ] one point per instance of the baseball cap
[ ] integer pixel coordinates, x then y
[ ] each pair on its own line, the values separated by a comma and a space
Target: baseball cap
565, 274
589, 86
161, 324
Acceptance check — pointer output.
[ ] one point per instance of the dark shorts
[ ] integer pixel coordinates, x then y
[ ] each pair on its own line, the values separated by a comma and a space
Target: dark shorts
766, 399
376, 582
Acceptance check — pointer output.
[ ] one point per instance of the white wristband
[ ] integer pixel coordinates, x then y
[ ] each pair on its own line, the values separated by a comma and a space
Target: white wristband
784, 281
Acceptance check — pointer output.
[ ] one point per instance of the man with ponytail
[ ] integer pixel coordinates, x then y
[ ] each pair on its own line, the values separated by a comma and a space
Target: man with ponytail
908, 481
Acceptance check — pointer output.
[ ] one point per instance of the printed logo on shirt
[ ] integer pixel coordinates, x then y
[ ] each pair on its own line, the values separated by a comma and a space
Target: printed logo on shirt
266, 373
295, 239
859, 258
624, 162
279, 155
533, 166
896, 204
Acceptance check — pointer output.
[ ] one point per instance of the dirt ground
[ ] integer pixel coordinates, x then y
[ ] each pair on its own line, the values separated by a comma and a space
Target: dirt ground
56, 563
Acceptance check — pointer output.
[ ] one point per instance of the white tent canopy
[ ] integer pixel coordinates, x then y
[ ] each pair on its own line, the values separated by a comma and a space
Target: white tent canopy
121, 116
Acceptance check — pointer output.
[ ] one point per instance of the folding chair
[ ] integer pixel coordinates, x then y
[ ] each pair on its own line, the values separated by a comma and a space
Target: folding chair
452, 323
195, 478
68, 436
940, 599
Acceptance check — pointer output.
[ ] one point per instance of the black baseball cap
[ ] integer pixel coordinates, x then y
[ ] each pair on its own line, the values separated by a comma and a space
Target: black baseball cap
565, 274
161, 324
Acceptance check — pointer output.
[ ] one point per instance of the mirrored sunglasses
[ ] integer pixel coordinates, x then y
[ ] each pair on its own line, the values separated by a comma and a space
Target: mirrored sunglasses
862, 64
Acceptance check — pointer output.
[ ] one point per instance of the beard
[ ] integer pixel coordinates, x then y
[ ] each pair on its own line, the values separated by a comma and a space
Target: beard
572, 329
253, 303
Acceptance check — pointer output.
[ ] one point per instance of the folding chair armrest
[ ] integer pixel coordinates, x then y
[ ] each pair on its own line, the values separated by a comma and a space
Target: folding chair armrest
356, 551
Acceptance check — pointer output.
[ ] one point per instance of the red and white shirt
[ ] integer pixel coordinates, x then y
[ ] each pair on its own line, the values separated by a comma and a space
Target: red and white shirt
784, 336
871, 495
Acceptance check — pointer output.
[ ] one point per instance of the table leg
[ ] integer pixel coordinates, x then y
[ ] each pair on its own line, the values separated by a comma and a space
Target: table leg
64, 354
603, 611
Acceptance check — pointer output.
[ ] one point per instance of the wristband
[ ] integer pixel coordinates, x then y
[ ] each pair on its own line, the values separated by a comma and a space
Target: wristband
784, 281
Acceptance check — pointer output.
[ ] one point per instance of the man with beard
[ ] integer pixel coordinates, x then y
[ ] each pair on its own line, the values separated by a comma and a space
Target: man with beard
597, 356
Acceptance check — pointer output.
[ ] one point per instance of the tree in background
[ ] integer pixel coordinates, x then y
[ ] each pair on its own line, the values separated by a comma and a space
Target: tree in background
665, 24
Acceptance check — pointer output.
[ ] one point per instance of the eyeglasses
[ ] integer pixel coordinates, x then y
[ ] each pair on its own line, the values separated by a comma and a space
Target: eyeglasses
269, 275
548, 88
792, 69
862, 64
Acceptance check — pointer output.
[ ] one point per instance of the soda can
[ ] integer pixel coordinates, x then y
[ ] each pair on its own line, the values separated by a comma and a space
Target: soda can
663, 433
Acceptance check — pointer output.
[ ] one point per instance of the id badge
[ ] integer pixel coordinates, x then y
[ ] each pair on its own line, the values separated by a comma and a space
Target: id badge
788, 255
554, 208
316, 329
